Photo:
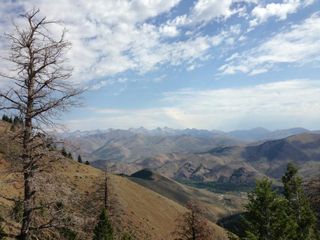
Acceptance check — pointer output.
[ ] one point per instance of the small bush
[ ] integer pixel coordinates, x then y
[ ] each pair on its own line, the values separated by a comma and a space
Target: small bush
128, 236
17, 211
68, 234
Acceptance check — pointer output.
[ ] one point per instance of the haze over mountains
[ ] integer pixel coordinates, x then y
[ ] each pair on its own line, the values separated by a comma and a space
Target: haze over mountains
254, 134
237, 157
136, 143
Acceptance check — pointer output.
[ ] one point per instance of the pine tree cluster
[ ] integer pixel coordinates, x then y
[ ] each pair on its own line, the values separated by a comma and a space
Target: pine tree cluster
15, 120
5, 118
274, 216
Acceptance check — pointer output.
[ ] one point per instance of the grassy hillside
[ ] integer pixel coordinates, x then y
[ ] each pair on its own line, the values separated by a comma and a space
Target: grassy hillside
148, 213
134, 208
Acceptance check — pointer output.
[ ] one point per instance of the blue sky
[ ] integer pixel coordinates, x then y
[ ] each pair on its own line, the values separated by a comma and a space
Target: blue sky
208, 64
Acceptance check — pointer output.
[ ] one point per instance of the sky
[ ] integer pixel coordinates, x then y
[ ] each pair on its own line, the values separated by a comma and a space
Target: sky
206, 64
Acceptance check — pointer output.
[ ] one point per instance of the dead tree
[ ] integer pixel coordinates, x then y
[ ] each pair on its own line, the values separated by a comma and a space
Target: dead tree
38, 93
106, 189
192, 225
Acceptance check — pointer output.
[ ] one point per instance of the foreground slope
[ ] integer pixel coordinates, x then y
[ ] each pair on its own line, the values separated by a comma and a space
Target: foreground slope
149, 214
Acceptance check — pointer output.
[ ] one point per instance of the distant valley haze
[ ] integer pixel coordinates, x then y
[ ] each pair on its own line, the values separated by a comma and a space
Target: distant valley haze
252, 134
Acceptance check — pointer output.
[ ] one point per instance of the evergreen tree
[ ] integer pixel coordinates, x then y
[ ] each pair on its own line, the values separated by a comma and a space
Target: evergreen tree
299, 207
79, 159
69, 155
64, 152
267, 217
103, 230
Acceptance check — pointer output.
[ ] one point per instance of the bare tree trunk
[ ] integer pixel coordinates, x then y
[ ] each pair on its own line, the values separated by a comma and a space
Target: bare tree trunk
27, 209
27, 169
106, 190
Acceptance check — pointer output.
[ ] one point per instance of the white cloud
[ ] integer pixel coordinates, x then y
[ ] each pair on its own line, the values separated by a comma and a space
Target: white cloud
169, 30
206, 10
299, 45
96, 85
288, 103
102, 32
278, 10
111, 37
274, 105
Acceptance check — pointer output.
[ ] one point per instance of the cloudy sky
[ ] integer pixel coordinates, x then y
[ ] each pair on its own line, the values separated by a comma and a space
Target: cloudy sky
211, 64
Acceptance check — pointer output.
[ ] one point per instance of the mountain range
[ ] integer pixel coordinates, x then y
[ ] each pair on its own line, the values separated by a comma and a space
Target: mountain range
237, 157
239, 164
136, 143
254, 134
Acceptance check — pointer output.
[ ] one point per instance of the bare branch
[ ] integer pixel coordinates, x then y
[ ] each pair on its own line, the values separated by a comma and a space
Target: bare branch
9, 199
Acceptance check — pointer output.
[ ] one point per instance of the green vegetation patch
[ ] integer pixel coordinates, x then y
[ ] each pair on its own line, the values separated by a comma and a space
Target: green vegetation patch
219, 187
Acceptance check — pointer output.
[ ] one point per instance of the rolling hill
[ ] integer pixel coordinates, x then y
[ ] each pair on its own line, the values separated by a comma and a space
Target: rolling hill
187, 153
236, 164
262, 134
132, 145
